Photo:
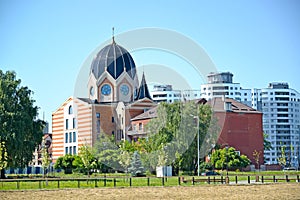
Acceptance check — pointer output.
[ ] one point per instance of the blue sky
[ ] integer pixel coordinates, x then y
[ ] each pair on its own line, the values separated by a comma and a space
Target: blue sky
46, 42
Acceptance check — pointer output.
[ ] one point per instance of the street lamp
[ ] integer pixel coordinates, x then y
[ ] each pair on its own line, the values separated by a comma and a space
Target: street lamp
198, 144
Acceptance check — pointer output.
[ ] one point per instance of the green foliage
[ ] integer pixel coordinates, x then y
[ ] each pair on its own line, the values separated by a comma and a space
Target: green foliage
175, 132
66, 163
267, 143
136, 168
282, 159
45, 157
256, 156
108, 154
222, 158
88, 159
3, 155
19, 127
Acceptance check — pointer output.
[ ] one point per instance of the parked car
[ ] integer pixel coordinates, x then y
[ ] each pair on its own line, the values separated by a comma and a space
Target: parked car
210, 173
289, 169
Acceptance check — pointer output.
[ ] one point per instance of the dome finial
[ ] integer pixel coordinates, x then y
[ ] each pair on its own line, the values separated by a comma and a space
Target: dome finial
113, 34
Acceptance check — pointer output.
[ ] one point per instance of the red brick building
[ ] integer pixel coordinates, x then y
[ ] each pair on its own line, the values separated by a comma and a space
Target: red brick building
241, 127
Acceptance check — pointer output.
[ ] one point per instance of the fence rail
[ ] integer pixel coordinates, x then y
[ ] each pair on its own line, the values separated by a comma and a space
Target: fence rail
57, 183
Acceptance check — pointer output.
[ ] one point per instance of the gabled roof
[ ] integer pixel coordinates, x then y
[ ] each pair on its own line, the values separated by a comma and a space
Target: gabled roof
150, 114
143, 91
217, 104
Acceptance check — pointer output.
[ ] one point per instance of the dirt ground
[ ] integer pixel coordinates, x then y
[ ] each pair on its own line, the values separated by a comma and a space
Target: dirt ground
266, 191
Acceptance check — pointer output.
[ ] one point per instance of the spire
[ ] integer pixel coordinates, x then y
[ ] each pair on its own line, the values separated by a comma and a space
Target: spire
113, 35
143, 91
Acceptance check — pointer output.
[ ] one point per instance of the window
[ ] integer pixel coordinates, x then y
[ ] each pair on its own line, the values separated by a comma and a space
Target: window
74, 150
66, 137
140, 126
70, 137
74, 136
70, 110
70, 150
113, 133
98, 126
112, 119
98, 115
74, 123
66, 150
67, 124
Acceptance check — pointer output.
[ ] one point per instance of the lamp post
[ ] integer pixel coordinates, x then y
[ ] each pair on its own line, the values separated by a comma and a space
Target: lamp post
198, 144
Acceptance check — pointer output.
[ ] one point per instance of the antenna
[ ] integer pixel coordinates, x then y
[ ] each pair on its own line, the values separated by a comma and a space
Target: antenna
113, 34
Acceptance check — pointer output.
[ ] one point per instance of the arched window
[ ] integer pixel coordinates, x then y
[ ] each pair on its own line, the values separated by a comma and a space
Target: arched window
70, 110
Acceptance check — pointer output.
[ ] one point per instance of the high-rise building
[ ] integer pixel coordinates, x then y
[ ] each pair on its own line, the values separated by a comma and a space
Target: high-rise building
221, 85
281, 122
281, 112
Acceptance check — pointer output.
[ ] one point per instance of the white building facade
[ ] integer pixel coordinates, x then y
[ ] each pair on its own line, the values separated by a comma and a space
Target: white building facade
281, 112
165, 93
221, 85
281, 121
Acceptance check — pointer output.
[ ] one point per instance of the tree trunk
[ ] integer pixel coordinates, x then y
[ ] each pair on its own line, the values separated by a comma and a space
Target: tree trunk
2, 174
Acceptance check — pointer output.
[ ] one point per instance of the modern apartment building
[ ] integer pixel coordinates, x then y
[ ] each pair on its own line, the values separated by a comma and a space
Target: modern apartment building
221, 85
281, 122
281, 112
165, 93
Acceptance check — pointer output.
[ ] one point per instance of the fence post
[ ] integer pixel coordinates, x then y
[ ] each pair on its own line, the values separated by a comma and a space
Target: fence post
78, 183
179, 180
274, 179
115, 182
40, 185
193, 181
208, 180
262, 179
57, 183
104, 181
130, 183
298, 178
222, 179
96, 183
148, 181
287, 178
236, 180
18, 185
163, 181
248, 179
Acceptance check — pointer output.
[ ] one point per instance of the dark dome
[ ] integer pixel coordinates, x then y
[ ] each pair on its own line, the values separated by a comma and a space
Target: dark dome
114, 59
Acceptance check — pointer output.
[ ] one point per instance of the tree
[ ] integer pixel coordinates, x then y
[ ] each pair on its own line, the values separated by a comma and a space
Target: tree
256, 156
282, 159
267, 143
3, 156
66, 163
136, 168
45, 157
228, 158
175, 131
19, 127
107, 153
124, 160
88, 159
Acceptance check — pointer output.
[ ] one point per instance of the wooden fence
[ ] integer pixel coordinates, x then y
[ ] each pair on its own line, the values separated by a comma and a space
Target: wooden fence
53, 183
